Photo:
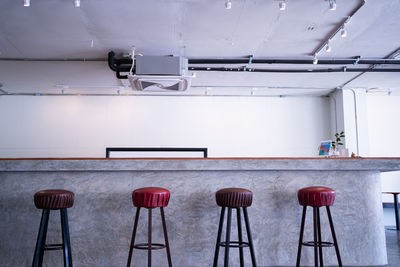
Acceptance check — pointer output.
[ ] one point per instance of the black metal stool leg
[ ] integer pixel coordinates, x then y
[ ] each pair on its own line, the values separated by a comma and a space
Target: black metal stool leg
44, 240
166, 237
228, 237
315, 237
221, 223
303, 218
239, 225
133, 236
41, 239
149, 239
334, 237
321, 260
65, 238
252, 254
396, 210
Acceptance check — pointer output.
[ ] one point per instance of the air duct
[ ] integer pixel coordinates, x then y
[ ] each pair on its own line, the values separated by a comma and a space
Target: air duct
160, 73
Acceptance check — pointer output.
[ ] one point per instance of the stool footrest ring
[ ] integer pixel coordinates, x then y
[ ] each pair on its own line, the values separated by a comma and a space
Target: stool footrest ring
235, 244
153, 246
323, 244
53, 247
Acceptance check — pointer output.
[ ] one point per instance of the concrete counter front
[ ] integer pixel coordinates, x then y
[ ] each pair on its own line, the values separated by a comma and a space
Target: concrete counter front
101, 219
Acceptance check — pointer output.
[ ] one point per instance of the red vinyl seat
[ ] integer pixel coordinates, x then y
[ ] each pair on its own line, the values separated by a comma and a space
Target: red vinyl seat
316, 196
54, 199
234, 197
151, 197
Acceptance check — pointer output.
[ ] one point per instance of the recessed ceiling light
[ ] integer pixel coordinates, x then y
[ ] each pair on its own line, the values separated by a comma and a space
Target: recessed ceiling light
228, 4
77, 3
27, 2
282, 5
332, 4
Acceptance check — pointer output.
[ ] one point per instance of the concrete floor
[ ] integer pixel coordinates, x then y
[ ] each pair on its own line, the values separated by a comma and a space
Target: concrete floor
393, 248
392, 239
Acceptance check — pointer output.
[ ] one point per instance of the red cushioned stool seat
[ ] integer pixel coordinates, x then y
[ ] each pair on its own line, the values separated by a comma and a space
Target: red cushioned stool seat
316, 196
234, 197
54, 199
151, 197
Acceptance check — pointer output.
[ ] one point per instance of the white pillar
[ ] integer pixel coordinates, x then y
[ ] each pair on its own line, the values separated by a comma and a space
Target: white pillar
349, 114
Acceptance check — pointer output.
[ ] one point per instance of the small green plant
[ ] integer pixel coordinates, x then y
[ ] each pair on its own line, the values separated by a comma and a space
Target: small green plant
338, 142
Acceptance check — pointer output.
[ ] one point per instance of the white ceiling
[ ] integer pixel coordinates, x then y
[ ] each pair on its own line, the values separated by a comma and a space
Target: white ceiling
55, 29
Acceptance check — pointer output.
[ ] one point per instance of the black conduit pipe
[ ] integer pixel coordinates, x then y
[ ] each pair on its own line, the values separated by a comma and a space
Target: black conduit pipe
111, 61
243, 69
124, 65
344, 61
247, 60
250, 60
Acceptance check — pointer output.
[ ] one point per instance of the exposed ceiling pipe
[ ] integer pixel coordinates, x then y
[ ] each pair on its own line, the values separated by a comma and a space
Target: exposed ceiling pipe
245, 69
52, 59
333, 61
77, 86
159, 94
392, 55
250, 60
263, 87
124, 64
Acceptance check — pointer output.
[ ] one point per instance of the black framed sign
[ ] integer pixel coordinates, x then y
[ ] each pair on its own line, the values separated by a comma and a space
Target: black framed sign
153, 152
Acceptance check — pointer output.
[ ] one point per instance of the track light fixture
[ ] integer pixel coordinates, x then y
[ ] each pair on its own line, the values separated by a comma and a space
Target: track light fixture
27, 2
228, 4
343, 33
332, 4
328, 47
315, 60
77, 3
282, 5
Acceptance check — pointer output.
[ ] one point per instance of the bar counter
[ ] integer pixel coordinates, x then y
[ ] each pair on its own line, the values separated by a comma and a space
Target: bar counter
101, 219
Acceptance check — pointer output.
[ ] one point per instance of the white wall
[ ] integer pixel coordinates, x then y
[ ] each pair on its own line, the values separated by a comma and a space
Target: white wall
72, 126
384, 135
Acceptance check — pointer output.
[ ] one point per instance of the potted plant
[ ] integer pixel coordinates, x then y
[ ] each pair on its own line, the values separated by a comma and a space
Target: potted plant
342, 152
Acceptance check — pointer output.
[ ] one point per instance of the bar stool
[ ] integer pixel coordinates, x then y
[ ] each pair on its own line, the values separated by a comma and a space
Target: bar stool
150, 198
53, 199
316, 197
396, 208
234, 198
